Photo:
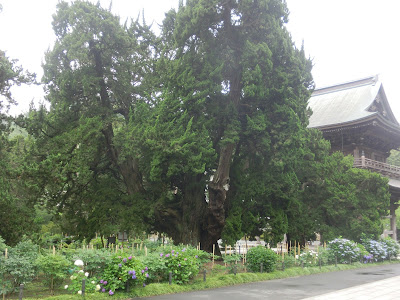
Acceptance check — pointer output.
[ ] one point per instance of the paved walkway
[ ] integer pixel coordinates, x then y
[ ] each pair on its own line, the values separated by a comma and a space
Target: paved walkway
379, 282
387, 289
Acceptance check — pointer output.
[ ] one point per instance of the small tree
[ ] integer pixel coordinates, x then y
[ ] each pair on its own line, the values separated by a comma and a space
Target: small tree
261, 255
54, 269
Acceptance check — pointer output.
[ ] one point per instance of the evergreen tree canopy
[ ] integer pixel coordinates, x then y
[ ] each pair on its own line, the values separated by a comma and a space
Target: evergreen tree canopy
200, 129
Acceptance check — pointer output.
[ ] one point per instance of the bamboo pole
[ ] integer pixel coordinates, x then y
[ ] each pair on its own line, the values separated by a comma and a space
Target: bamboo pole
213, 255
54, 250
6, 254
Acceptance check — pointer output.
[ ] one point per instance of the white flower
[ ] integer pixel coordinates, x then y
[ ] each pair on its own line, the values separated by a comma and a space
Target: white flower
73, 277
93, 282
80, 292
98, 287
66, 286
78, 263
87, 274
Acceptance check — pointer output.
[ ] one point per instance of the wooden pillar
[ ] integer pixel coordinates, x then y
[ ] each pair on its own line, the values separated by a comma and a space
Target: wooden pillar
393, 226
362, 159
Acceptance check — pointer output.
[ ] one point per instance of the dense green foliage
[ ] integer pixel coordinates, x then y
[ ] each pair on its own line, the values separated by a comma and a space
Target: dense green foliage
19, 267
129, 273
15, 211
54, 268
199, 133
261, 255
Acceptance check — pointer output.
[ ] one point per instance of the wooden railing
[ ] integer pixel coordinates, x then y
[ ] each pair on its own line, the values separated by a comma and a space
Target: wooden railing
377, 166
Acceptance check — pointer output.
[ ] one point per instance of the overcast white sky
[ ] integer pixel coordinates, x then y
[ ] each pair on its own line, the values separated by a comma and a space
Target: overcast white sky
347, 39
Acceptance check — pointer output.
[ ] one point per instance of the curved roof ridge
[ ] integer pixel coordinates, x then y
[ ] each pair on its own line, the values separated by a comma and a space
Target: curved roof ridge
371, 80
343, 103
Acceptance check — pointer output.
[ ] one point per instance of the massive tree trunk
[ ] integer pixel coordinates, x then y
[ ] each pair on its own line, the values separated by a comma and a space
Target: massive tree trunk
217, 189
183, 221
128, 168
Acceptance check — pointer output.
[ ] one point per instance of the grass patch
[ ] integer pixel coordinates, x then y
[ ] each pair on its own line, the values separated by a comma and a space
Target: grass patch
215, 279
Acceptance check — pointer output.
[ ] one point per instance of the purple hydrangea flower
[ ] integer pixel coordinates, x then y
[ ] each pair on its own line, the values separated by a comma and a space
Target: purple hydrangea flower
124, 260
101, 281
172, 251
166, 255
147, 275
144, 284
179, 265
197, 256
142, 271
161, 255
134, 276
103, 290
120, 265
130, 257
104, 282
146, 268
185, 258
111, 293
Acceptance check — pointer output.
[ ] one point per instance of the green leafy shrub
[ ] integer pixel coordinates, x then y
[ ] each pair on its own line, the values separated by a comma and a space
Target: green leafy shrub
3, 245
96, 260
289, 261
20, 265
378, 249
156, 265
123, 270
257, 255
392, 247
54, 269
233, 262
184, 263
91, 283
308, 258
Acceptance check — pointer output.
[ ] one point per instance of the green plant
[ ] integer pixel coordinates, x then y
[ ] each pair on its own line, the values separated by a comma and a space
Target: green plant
96, 260
91, 284
20, 266
289, 261
156, 265
184, 263
344, 250
378, 249
3, 245
393, 247
54, 269
261, 255
121, 271
233, 263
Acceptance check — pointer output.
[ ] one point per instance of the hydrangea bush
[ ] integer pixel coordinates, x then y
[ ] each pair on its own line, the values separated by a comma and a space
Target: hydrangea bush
308, 258
96, 260
80, 274
344, 250
122, 271
393, 247
378, 249
183, 263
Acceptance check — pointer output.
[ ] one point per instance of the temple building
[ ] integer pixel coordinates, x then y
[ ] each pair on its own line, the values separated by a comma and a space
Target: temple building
356, 118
